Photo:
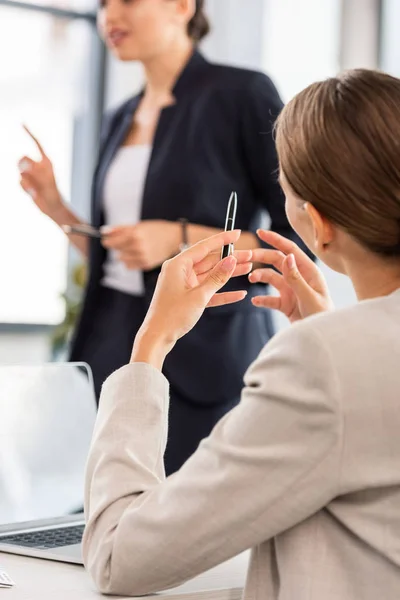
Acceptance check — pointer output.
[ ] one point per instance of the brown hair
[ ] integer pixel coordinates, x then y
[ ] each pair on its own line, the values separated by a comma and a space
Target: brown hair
199, 25
338, 143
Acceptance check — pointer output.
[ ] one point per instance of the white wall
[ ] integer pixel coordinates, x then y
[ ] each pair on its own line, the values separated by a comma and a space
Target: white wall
237, 34
390, 52
301, 42
360, 32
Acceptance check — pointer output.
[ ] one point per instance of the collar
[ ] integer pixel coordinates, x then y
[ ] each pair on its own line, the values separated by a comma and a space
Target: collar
188, 77
190, 74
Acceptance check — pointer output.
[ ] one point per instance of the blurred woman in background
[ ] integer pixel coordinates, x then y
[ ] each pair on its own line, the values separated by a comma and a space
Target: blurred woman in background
169, 159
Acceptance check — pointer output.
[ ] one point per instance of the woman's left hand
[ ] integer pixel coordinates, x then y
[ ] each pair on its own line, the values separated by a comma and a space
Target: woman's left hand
187, 285
144, 246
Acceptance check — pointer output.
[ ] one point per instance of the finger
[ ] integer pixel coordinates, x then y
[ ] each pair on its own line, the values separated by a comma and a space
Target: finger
26, 164
129, 256
200, 250
286, 246
28, 186
269, 257
111, 230
270, 302
268, 276
31, 179
132, 263
38, 144
226, 298
243, 269
297, 283
242, 256
240, 270
123, 241
218, 277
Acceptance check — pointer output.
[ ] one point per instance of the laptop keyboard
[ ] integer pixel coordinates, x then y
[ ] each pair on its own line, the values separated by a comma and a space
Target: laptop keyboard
50, 538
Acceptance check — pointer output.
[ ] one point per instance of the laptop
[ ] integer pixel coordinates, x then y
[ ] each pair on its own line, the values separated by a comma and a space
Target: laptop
47, 415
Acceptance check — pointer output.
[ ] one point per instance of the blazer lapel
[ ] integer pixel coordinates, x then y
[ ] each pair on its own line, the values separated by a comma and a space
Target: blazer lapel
187, 80
115, 139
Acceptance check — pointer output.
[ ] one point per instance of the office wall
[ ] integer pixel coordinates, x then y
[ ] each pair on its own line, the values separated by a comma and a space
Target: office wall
390, 46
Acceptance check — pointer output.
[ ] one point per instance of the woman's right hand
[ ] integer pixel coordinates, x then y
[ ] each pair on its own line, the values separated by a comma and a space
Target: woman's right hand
300, 284
37, 179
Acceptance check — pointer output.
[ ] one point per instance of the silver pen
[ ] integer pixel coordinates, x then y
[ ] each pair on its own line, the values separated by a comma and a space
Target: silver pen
230, 224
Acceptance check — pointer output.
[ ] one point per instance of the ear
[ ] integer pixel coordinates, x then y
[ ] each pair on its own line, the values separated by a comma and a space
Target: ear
186, 9
324, 232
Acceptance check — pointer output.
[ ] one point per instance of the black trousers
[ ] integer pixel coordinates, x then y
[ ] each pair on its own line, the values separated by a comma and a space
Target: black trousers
115, 321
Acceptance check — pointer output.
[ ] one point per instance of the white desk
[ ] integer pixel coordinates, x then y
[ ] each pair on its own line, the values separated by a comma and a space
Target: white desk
37, 579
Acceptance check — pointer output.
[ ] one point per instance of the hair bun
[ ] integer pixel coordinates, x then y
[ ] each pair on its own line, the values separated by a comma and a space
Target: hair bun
199, 25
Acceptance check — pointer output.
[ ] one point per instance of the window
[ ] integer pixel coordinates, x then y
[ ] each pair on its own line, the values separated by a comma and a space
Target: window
53, 83
68, 5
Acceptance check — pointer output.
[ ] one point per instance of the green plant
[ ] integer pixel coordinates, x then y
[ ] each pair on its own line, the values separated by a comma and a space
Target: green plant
73, 299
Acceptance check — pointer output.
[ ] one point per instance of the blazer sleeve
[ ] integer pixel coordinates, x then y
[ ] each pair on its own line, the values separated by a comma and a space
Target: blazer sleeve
260, 109
272, 462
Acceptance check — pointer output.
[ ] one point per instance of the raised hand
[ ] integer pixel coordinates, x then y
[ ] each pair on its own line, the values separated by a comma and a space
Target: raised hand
188, 284
301, 286
37, 180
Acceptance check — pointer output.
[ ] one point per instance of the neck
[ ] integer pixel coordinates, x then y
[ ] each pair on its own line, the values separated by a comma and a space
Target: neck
163, 71
381, 278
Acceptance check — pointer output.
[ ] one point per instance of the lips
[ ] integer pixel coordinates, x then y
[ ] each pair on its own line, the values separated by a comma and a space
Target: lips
116, 36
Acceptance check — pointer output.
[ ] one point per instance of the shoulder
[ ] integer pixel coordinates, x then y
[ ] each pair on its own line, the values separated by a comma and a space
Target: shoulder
238, 78
241, 82
358, 324
345, 342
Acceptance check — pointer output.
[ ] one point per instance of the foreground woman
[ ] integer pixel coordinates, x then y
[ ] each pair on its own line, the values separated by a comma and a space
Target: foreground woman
306, 468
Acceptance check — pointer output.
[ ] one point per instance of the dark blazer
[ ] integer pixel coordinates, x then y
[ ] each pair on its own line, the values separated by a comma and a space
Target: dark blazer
216, 138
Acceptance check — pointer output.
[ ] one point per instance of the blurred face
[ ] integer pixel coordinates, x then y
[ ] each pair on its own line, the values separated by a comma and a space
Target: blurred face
142, 29
318, 234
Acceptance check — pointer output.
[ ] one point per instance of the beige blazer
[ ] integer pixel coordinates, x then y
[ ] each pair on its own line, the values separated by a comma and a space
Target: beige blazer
306, 470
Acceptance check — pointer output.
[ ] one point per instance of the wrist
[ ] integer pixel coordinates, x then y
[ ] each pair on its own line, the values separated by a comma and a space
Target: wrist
184, 235
151, 347
62, 215
176, 237
59, 213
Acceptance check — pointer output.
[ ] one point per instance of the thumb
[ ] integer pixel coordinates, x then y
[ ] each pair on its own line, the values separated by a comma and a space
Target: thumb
296, 281
219, 276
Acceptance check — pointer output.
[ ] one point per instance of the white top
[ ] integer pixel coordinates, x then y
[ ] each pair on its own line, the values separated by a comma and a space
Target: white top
123, 193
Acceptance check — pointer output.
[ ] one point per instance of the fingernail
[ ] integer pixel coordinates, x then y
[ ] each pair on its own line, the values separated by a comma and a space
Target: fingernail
106, 229
291, 261
31, 192
23, 165
228, 263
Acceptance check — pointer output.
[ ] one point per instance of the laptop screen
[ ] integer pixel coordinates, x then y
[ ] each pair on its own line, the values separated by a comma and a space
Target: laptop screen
47, 415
